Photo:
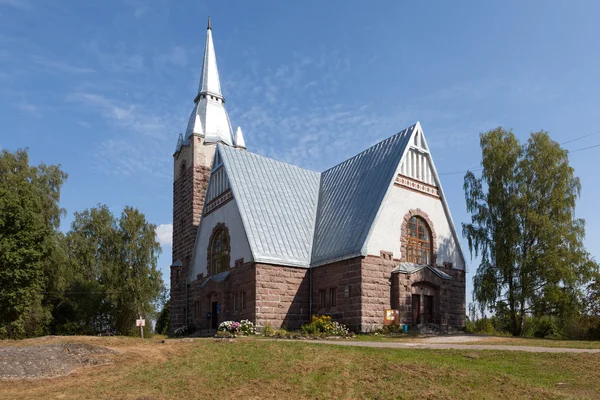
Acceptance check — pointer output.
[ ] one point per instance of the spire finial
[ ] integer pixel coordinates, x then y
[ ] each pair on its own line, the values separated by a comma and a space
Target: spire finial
209, 23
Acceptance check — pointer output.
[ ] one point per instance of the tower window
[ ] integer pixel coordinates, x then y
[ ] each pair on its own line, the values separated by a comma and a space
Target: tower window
419, 247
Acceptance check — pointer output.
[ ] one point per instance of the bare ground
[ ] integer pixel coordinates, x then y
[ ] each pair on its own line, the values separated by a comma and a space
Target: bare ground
49, 360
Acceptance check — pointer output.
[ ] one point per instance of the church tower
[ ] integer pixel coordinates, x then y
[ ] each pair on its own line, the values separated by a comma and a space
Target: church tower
208, 125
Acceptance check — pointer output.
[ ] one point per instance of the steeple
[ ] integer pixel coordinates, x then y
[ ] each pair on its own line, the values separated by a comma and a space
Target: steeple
209, 80
209, 118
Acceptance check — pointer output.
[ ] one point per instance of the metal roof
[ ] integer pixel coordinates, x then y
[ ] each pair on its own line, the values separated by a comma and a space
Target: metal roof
350, 197
411, 268
296, 217
277, 203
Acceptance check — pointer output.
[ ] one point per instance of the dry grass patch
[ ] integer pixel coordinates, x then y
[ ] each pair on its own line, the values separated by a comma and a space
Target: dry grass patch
249, 368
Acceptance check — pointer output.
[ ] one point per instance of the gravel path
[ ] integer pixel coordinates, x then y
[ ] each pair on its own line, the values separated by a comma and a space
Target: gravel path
453, 346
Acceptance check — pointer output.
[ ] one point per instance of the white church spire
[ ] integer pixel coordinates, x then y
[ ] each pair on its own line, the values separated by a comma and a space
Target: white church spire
209, 118
209, 80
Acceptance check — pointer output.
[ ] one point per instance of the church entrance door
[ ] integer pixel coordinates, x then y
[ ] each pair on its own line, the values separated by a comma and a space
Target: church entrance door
416, 308
214, 317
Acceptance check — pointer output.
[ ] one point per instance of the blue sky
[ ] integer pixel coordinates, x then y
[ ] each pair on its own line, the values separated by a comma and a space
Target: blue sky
104, 87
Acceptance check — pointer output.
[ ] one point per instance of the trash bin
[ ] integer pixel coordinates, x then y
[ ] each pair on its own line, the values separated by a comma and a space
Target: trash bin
405, 328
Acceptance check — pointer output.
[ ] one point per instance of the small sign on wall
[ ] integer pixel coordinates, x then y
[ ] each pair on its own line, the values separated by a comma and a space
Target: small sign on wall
391, 317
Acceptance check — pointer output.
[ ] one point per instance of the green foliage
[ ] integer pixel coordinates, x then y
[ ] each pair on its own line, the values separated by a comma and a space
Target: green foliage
524, 227
323, 326
163, 322
114, 275
29, 219
268, 330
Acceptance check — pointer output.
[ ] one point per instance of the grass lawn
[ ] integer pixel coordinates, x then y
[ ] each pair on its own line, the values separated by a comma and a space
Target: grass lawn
251, 368
513, 341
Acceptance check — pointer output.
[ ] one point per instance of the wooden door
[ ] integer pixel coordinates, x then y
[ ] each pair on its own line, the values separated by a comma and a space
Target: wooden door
416, 308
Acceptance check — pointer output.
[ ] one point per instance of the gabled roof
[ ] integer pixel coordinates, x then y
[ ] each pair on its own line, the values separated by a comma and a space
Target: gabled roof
277, 203
296, 217
350, 197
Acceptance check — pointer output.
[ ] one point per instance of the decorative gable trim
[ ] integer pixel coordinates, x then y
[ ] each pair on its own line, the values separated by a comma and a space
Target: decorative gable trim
218, 202
416, 186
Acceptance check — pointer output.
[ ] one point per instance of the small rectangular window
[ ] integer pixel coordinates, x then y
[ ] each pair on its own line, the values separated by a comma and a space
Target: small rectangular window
243, 300
235, 302
332, 297
322, 301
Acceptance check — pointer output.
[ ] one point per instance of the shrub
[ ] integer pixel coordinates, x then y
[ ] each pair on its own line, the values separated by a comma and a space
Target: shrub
268, 330
547, 327
247, 327
323, 325
244, 327
229, 326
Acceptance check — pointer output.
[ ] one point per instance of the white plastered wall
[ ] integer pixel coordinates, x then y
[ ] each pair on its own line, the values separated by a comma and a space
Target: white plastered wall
387, 230
229, 215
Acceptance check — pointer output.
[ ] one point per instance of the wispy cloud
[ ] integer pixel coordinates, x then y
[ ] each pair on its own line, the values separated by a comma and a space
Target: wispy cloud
177, 56
31, 109
59, 66
119, 59
126, 115
20, 4
164, 234
141, 146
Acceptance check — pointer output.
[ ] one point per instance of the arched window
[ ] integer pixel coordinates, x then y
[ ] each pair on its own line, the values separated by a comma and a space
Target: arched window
419, 247
219, 252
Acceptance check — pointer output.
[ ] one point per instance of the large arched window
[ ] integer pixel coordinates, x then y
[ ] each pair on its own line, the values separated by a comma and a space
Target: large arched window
218, 251
419, 247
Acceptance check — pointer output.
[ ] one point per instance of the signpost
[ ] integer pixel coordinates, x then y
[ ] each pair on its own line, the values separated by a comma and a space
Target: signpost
141, 323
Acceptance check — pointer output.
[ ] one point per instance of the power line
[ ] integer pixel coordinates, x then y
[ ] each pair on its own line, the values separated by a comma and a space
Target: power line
581, 137
569, 151
584, 148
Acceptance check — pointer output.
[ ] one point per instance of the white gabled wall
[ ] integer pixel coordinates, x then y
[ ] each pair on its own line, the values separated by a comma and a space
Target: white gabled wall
229, 215
386, 233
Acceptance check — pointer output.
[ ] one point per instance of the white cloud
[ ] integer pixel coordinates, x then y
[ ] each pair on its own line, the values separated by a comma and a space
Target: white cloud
164, 234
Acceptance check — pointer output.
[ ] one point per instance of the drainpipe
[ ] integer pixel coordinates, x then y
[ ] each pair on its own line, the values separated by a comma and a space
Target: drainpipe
187, 304
310, 294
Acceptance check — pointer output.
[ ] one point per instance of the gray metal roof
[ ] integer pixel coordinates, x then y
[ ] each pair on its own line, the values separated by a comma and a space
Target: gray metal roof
350, 197
277, 203
411, 268
293, 216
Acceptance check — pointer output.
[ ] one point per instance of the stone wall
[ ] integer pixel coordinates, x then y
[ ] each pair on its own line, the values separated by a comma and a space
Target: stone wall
455, 292
189, 190
376, 293
282, 295
345, 277
241, 279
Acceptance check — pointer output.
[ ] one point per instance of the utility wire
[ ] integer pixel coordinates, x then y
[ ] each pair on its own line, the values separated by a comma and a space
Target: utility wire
569, 151
581, 137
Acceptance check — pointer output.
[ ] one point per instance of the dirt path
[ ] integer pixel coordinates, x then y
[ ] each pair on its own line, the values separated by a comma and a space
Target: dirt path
453, 346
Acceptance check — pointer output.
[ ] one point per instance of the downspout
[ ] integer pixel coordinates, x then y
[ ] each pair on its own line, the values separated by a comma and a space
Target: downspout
310, 294
187, 304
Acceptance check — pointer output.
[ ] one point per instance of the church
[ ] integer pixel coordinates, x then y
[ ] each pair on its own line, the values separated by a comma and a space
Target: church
259, 239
